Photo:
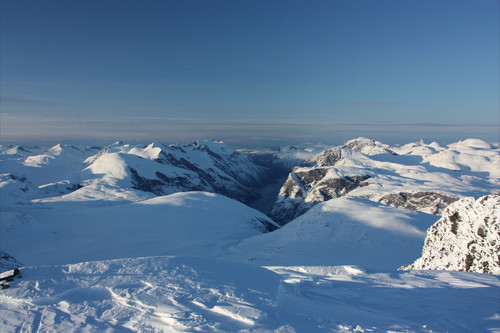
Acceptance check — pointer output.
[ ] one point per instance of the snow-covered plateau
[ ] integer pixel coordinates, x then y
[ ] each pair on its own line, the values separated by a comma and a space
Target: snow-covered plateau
162, 238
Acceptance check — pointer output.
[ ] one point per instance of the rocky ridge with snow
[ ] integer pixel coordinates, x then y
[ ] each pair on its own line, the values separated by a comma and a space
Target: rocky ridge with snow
419, 176
465, 238
125, 172
428, 202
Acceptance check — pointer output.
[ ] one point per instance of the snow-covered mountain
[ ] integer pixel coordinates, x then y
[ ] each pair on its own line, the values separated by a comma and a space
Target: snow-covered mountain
368, 146
419, 176
28, 173
122, 172
149, 238
465, 238
201, 166
342, 231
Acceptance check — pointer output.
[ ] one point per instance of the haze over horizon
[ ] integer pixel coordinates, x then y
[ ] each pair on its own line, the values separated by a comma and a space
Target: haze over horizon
249, 72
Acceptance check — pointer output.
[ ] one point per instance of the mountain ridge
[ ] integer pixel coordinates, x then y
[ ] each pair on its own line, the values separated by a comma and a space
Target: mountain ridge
416, 176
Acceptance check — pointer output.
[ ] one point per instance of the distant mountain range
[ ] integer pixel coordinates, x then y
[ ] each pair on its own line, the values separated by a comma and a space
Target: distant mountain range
161, 237
424, 177
122, 172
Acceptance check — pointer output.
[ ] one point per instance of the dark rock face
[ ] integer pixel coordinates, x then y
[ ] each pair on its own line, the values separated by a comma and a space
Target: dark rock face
7, 262
231, 174
263, 225
367, 146
428, 202
144, 184
465, 238
329, 157
306, 187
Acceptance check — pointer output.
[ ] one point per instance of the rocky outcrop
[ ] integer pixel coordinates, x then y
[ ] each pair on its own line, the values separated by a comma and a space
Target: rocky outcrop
306, 187
329, 157
368, 146
427, 202
466, 238
7, 262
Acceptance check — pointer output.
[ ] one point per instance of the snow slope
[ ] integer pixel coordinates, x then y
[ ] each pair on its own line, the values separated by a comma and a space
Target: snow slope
189, 223
343, 231
186, 294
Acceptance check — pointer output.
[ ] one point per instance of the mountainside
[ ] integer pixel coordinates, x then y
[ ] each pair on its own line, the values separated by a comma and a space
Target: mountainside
35, 172
342, 231
465, 238
419, 176
8, 262
122, 172
207, 166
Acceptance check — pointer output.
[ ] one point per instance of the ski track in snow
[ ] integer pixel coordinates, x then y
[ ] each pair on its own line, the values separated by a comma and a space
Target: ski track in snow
188, 294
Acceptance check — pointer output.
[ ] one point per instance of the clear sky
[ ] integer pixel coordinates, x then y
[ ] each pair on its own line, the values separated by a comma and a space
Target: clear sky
249, 72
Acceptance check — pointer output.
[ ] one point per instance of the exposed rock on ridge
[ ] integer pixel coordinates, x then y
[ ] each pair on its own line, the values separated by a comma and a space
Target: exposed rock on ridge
8, 262
368, 146
200, 166
466, 238
306, 187
427, 202
400, 177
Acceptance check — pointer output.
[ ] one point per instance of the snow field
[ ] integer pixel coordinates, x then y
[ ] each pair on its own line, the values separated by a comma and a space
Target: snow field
189, 223
189, 294
342, 231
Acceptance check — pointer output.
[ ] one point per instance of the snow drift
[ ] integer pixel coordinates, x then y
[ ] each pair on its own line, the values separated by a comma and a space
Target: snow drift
185, 294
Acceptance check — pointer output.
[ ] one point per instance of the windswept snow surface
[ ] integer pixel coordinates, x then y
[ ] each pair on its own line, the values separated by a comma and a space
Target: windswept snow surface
342, 231
186, 294
189, 223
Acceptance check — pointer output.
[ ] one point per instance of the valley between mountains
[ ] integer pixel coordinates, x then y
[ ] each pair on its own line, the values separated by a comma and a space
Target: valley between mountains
360, 237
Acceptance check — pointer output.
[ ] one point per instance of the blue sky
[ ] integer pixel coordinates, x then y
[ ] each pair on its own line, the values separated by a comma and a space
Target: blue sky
249, 72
